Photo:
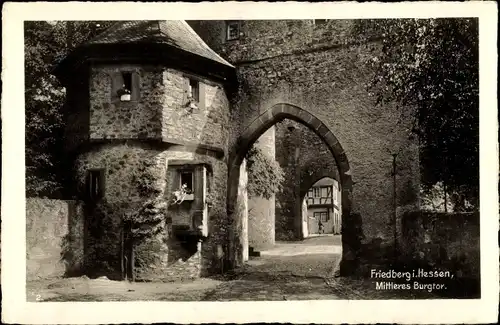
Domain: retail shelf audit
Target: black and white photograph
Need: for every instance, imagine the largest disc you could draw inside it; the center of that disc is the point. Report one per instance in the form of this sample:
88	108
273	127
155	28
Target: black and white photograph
245	160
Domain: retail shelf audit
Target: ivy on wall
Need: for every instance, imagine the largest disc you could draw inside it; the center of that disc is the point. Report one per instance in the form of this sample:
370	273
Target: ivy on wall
146	221
142	225
265	176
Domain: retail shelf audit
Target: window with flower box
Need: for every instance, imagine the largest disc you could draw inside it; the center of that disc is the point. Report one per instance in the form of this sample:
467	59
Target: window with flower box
126	86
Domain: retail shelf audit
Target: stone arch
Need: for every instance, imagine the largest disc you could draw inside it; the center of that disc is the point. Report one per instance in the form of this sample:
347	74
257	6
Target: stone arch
266	120
272	116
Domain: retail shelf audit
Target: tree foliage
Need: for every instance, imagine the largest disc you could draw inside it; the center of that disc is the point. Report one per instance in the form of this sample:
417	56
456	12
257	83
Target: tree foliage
431	66
45	44
265	176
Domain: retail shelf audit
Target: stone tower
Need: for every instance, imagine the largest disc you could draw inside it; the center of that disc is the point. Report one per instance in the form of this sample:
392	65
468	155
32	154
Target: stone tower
261	211
148	113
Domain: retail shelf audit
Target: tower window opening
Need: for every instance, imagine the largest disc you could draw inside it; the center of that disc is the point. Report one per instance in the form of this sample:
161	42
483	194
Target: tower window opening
126	91
319	21
95	184
194	90
232	30
186	180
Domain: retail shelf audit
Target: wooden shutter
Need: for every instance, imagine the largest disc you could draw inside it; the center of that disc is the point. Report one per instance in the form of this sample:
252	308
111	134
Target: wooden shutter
186	91
136	86
174	179
198	187
117	83
95	184
88	185
201	89
102	183
199	221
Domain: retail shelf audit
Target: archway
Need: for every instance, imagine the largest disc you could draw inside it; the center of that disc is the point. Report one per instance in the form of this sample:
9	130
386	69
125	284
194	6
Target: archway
250	135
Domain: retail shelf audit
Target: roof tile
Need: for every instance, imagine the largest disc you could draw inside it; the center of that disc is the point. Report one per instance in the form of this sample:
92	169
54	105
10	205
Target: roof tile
176	33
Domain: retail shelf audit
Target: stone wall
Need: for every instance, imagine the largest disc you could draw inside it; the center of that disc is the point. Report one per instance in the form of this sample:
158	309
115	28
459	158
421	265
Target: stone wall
239	237
305	158
274	38
54	238
218	226
124	172
127	139
324	70
207	124
261	211
111	118
160	111
443	241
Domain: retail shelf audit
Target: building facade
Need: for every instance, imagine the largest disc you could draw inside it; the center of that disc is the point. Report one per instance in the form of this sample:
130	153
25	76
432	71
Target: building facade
323	208
166	110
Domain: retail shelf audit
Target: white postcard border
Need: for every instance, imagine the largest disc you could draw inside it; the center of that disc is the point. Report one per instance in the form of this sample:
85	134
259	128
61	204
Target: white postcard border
15	307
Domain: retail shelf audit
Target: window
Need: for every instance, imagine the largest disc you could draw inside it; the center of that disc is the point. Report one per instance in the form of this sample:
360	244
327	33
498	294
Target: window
187	180
126	91
310	193
319	21
321	216
125	86
317	192
194	89
95	184
232	30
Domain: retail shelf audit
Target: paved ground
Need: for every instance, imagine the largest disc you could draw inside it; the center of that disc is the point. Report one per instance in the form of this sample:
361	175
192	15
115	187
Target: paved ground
289	271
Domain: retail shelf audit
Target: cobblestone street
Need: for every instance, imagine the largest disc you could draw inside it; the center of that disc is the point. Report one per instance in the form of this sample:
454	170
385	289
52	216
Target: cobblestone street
302	270
288	271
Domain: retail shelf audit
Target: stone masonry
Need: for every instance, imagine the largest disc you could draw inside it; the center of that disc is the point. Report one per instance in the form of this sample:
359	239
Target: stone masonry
305	159
300	70
322	69
261	211
139	145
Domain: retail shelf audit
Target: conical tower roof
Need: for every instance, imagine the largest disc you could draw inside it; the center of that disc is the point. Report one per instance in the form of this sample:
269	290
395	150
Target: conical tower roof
170	42
176	33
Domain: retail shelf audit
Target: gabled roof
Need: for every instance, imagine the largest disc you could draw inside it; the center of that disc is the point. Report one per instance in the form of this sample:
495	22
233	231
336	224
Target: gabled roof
175	33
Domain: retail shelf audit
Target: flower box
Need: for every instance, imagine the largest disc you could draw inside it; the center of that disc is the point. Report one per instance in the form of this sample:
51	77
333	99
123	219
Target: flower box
189	197
125	97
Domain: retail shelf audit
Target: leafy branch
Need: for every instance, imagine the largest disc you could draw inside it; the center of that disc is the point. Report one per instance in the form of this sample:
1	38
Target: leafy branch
265	176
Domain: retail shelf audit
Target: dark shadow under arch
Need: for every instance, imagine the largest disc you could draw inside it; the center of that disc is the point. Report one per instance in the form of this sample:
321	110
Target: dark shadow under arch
266	120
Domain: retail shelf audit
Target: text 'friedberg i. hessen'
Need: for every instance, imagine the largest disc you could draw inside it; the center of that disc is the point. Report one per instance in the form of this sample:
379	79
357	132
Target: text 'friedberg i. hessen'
390	280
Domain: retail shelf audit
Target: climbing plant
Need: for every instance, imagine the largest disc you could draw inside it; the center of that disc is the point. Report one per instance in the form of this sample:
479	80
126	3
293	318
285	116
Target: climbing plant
265	176
147	221
144	224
